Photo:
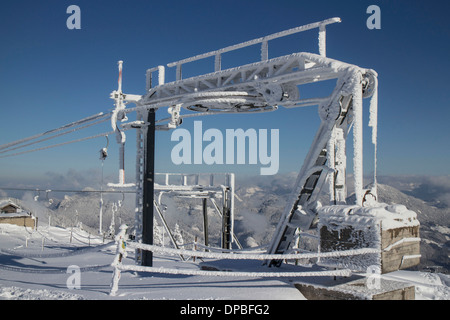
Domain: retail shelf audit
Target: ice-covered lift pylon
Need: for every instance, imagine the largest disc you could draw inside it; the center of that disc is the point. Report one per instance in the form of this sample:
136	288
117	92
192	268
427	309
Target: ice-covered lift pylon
263	86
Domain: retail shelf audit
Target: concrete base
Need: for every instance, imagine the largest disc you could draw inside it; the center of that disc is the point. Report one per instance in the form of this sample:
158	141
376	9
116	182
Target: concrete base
400	247
356	289
392	229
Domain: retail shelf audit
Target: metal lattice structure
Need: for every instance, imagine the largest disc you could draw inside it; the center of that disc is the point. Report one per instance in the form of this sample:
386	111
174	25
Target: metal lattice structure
190	186
263	86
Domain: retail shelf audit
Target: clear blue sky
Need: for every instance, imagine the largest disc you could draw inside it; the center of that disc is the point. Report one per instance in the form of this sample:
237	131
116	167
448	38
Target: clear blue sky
50	75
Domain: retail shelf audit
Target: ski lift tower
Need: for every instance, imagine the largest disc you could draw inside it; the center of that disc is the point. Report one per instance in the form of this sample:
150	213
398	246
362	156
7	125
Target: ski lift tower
261	86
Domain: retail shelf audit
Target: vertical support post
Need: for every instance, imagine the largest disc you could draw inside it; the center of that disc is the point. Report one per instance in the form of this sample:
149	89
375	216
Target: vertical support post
148	78
331	160
205	222
119	81
226	220
264	51
358	140
140	170
100	222
122	163
230	183
341	162
178	72
161	75
148	192
166	227
218	62
322	41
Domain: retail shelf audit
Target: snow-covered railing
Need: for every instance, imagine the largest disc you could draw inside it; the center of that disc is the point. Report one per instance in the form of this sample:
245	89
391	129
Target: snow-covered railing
217	54
123	246
251	256
200	184
193	185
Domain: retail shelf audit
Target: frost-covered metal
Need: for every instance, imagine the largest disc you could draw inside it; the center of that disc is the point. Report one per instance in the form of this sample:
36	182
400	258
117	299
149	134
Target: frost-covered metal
263	86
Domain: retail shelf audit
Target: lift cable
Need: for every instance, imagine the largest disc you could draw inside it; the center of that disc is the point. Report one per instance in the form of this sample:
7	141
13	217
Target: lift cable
64	127
63	143
67	190
55	136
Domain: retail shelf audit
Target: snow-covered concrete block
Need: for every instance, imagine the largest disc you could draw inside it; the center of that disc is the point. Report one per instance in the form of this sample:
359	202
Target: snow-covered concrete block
24	220
356	289
393	229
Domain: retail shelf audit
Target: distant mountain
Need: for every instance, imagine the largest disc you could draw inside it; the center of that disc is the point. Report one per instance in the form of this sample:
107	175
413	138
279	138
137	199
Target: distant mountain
259	204
83	209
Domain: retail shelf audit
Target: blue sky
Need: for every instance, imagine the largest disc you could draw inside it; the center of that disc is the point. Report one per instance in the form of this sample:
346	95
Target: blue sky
50	75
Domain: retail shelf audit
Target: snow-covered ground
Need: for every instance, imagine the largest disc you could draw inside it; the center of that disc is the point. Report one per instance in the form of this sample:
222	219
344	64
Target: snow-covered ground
38	265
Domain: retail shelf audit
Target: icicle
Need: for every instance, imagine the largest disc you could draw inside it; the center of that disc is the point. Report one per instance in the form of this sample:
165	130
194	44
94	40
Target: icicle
358	137
373	122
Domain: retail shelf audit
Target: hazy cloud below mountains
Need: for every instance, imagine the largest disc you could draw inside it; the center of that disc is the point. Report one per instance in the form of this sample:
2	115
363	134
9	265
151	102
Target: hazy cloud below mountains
433	189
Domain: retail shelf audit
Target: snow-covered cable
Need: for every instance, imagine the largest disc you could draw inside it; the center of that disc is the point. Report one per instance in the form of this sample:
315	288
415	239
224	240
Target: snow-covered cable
341	273
55	136
67	190
260	249
64	127
213	255
61	144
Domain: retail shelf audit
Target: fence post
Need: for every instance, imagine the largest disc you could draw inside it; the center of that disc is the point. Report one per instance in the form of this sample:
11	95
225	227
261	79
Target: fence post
121	253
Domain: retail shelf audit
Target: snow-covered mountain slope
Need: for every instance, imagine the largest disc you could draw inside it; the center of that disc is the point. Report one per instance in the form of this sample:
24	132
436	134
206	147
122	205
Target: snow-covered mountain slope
33	265
31	269
258	206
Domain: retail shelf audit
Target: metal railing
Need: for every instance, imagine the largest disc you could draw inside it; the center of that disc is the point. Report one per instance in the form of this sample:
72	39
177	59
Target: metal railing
321	25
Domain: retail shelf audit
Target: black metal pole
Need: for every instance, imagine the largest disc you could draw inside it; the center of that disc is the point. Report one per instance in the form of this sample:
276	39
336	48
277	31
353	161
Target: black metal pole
226	221
148	190
205	222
